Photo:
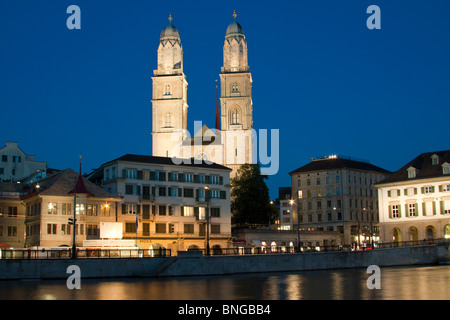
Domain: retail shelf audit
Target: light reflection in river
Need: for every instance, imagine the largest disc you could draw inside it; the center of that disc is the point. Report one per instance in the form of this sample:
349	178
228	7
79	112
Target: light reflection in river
426	282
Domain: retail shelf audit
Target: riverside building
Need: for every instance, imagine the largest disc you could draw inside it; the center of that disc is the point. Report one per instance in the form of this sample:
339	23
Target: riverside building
336	195
165	205
49	203
415	201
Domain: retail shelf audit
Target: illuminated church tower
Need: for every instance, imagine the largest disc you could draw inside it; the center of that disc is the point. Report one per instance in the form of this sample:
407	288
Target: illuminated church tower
236	99
231	143
169	103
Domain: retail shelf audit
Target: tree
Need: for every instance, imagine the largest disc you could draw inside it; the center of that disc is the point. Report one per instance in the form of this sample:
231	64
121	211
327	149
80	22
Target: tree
250	202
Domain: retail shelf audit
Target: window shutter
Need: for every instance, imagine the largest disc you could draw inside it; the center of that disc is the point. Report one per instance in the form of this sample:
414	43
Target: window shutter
223	194
399	211
180	192
389	193
424	208
434	208
440	188
442	207
195	178
169	176
138	209
432	189
220	180
423	190
182	211
390	212
416	210
406	210
124	208
399	192
415	190
180	177
139	174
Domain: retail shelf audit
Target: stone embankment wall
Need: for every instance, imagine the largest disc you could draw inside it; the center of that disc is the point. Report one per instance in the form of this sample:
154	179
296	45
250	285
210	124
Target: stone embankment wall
194	264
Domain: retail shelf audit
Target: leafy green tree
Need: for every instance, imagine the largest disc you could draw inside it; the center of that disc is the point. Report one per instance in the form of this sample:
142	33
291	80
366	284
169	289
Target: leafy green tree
250	202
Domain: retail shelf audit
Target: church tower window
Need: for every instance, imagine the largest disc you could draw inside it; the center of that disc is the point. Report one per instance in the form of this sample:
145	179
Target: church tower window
167	120
235	116
167	91
235	87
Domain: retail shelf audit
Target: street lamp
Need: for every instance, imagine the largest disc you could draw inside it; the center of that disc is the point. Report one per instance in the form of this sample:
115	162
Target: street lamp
208	199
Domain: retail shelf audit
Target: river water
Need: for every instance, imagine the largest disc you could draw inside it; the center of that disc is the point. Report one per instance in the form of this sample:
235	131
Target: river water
404	283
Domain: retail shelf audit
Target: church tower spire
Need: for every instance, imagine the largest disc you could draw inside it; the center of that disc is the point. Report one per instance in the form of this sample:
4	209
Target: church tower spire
169	97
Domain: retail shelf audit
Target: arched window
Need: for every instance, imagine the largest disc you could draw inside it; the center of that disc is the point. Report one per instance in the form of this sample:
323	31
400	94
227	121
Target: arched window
235	87
167	91
167	120
235	116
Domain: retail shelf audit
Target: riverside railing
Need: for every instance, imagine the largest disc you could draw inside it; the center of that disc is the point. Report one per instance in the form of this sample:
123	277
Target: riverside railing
30	254
66	253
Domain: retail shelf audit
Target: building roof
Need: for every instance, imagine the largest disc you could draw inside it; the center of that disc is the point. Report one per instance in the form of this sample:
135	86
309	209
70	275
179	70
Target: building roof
63	184
424	167
339	163
192	163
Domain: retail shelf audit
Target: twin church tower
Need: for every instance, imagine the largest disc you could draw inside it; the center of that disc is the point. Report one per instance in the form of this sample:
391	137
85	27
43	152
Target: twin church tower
231	142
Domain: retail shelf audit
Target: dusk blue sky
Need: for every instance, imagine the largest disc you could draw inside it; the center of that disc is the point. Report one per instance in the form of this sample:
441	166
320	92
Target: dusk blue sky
320	76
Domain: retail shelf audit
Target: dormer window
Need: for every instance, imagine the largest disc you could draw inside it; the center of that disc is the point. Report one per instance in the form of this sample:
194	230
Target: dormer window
446	168
412	172
434	159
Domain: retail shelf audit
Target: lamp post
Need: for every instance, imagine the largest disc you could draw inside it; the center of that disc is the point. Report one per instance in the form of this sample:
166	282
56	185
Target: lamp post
208	198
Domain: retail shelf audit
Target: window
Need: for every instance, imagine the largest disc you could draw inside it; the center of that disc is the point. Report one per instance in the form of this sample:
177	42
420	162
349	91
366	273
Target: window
215	228
214	194
411	209
162	210
80	208
188	211
51	208
167	120
188	192
446	168
173	192
395	211
130	174
188	228
235	116
129	208
65	229
215	212
4	158
188	178
12	231
92	210
429	189
411	172
445	187
12	211
338	179
160	228
235	87
51	228
167	90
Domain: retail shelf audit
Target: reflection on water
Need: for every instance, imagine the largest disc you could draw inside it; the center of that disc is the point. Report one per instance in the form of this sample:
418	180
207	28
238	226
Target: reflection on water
430	282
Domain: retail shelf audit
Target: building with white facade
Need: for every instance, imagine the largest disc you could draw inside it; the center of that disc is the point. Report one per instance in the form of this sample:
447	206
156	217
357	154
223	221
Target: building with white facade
16	164
414	202
165	205
337	194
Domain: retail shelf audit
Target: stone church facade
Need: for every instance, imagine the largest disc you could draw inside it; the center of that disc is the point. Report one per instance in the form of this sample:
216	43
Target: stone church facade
231	142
